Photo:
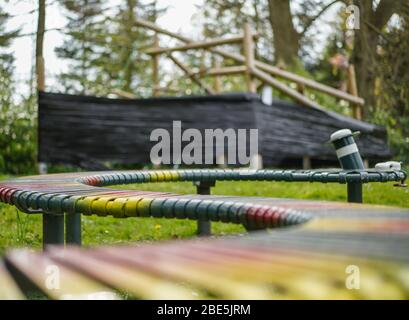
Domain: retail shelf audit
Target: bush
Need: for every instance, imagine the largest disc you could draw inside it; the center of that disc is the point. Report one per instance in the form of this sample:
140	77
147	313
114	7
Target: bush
18	145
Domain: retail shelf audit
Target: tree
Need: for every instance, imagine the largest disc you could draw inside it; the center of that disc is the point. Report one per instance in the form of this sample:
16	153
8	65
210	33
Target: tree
84	38
105	47
227	17
374	19
17	120
6	87
286	38
276	20
392	86
39	46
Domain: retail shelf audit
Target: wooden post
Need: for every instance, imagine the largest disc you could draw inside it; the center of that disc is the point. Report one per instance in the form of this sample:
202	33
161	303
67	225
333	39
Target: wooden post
248	49
155	66
353	89
306	162
40	73
217	79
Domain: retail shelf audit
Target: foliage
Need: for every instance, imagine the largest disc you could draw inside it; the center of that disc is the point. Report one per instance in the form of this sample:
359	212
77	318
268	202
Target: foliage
392	91
105	47
17	120
18	145
220	18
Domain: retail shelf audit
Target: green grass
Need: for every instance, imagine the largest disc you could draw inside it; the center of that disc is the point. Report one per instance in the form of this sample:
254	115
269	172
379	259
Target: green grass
18	229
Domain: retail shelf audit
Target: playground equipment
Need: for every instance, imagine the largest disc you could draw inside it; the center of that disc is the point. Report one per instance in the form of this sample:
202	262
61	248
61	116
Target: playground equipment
289	134
311	256
78	193
317	247
362	255
252	69
74	194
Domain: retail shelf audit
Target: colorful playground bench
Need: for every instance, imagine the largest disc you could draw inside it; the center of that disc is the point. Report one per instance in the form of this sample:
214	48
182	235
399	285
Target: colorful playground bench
343	251
316	246
73	194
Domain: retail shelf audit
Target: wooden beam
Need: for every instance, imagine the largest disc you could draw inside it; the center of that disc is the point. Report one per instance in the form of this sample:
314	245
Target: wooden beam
265	77
248	49
223	71
155	66
197	45
155	27
191	74
293	77
168	89
308	83
124	94
262	66
217	80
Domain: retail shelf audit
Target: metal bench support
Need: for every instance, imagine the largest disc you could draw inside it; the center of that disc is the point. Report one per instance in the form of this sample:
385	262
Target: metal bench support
354	190
73	228
53	229
204	227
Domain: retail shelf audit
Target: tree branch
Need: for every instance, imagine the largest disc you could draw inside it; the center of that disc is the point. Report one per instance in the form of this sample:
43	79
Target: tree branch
314	18
384	11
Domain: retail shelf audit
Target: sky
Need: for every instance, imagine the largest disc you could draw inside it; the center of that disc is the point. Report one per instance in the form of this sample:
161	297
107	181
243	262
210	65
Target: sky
178	18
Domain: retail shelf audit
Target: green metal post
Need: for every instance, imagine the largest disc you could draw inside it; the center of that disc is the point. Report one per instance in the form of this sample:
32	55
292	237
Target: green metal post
203	188
354	190
53	229
73	228
350	159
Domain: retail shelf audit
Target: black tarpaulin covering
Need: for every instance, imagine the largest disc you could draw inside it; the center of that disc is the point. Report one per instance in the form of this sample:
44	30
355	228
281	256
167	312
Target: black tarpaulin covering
86	131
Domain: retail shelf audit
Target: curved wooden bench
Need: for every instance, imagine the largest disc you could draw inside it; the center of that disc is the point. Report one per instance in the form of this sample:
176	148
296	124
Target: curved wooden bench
88	194
350	252
311	261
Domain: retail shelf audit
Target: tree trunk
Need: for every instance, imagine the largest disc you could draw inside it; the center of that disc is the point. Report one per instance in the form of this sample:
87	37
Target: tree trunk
286	38
129	25
39	46
366	39
364	54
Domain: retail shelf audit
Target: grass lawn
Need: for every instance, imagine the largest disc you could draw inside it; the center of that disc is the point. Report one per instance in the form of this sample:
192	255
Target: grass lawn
19	229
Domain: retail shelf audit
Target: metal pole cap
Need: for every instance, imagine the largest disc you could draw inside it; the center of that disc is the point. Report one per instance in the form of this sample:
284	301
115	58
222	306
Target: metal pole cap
343	133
